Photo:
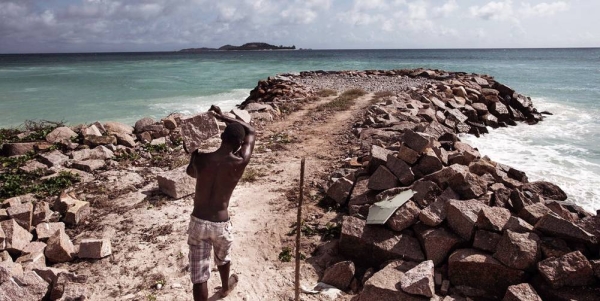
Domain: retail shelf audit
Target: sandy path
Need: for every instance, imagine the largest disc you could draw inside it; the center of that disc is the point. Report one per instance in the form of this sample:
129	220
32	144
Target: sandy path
149	243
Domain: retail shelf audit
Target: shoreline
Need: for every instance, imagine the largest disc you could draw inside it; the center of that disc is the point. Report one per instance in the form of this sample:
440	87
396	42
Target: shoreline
405	123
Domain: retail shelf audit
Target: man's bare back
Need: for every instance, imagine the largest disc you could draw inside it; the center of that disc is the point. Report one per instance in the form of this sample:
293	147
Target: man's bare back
216	174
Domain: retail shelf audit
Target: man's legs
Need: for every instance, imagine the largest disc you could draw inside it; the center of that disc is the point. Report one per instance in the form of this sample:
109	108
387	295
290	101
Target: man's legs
201	291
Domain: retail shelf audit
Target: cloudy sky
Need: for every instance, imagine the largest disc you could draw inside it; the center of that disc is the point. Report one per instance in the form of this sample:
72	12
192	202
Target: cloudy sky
163	25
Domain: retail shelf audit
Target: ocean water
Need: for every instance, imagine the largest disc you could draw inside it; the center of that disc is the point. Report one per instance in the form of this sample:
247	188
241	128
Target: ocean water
80	88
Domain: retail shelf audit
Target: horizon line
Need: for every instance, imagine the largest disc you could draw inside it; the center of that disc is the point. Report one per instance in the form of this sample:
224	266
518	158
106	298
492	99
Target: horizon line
297	49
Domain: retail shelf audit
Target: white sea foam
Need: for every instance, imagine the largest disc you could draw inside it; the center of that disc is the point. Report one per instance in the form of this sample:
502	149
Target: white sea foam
193	105
560	150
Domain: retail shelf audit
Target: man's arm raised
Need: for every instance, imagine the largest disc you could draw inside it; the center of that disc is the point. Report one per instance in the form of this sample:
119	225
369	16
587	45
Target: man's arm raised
248	143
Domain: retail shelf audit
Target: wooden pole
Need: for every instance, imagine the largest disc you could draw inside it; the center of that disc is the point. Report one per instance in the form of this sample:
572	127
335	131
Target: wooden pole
299	229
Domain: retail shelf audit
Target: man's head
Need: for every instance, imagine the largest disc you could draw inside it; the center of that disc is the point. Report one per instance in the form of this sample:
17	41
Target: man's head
234	135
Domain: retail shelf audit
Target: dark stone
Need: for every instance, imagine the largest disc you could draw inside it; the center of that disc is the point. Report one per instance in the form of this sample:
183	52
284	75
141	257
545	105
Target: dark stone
486	240
472	268
462	216
518	250
425	192
552	224
571	269
383	179
400	169
437	242
547	190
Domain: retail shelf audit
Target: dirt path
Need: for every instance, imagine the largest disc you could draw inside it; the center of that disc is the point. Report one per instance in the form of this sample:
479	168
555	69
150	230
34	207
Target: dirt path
149	243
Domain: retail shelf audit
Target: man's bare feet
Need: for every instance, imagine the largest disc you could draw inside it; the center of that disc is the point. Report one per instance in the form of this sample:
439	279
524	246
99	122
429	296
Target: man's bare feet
233	281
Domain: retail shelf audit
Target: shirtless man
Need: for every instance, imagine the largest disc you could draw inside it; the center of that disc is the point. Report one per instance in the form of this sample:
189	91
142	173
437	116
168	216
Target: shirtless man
216	174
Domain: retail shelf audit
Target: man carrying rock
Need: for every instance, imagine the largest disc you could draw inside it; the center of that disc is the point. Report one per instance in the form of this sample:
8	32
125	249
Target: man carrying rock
216	174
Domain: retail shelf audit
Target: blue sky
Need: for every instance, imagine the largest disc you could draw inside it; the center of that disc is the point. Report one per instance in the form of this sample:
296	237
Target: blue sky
163	25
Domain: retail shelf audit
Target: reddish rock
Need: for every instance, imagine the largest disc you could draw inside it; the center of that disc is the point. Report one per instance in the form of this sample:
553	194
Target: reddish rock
94	248
590	224
142	123
492	218
49	274
375	244
425	192
462	216
22	214
93	141
33	260
565	293
176	183
53	158
379	156
198	128
339	275
45	230
419	280
400	169
339	190
554	247
596	267
17	149
383	179
521	292
562	211
88	165
519	251
60	134
408	155
427	164
69	286
34	167
41	213
59	248
406	216
385	285
533	213
17	238
472	268
437	242
441	177
547	190
554	225
486	240
434	214
516	224
467	185
118	127
416	141
571	269
74	210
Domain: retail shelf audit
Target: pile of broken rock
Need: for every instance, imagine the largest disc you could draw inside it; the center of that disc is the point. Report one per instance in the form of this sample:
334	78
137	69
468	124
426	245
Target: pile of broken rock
31	236
474	228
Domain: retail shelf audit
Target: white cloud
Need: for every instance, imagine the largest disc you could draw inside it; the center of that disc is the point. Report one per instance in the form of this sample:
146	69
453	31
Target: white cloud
544	9
504	10
445	10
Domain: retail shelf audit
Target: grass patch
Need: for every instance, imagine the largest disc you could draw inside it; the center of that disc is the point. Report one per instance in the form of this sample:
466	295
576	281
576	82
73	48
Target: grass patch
16	183
326	92
251	175
342	102
381	95
286	254
157	148
328	232
37	130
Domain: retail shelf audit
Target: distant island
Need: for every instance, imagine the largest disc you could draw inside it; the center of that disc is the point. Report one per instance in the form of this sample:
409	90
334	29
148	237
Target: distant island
247	46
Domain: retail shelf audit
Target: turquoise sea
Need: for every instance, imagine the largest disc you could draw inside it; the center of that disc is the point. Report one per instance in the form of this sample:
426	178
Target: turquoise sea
80	88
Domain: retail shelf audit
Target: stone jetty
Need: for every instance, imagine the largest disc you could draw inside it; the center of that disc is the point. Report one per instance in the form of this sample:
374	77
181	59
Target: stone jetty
475	228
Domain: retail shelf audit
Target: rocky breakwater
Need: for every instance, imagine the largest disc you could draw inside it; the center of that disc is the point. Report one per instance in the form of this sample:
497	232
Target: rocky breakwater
54	179
474	228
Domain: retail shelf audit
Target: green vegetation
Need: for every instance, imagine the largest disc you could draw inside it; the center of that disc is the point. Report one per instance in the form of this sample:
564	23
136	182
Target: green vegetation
326	93
36	131
342	102
251	175
330	231
158	148
17	183
285	255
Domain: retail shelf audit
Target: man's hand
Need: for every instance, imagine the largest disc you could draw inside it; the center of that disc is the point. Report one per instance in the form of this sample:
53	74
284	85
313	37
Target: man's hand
216	110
